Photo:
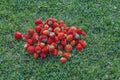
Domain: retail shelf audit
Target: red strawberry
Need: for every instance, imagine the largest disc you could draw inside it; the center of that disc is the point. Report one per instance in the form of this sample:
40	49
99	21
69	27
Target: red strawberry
51	47
38	21
60	46
67	55
54	25
63	60
78	31
35	38
83	43
18	35
41	44
31	49
50	21
63	42
55	52
43	55
49	41
26	46
45	49
38	28
31	31
79	47
43	38
83	33
37	49
25	37
52	35
61	35
35	55
29	41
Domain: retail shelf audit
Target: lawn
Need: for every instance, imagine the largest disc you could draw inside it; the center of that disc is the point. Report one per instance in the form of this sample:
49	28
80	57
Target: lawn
100	60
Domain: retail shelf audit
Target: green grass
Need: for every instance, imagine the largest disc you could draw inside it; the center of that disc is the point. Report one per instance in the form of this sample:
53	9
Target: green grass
99	61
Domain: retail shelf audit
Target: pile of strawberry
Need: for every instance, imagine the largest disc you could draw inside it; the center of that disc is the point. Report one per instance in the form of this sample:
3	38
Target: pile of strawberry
52	37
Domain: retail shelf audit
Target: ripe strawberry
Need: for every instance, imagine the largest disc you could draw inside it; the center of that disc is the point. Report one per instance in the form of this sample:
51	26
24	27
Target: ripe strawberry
43	38
49	41
31	31
68	48
51	47
41	44
64	42
38	28
50	21
35	55
31	49
29	41
61	35
26	46
57	30
73	28
83	43
46	26
78	31
67	55
61	22
17	35
79	47
25	36
60	47
52	35
69	37
83	33
54	25
46	32
43	55
38	21
72	43
35	38
63	60
37	49
55	52
60	53
45	49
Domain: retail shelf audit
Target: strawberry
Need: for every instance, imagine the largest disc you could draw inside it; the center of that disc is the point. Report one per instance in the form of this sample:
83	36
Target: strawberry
55	52
45	49
51	47
43	55
60	53
54	25
79	47
38	28
60	46
83	43
43	38
37	49
57	30
61	35
78	31
31	31
49	41
41	44
69	37
46	32
50	21
26	46
25	36
52	35
83	33
35	38
63	42
35	55
72	43
67	55
63	60
73	28
17	35
38	21
68	47
31	49
29	41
